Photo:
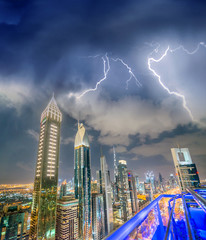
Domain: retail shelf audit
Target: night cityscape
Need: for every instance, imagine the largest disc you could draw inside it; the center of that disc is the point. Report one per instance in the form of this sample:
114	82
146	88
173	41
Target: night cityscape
102	120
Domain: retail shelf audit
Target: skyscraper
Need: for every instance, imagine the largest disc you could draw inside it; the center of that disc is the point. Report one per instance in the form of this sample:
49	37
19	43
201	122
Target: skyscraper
14	222
43	212
185	169
67	218
104	182
133	192
82	182
63	189
115	166
98	222
124	195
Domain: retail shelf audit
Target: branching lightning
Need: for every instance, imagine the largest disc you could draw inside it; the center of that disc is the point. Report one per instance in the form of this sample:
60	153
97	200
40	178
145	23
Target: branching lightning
150	60
189	52
106	64
156	46
130	73
106	69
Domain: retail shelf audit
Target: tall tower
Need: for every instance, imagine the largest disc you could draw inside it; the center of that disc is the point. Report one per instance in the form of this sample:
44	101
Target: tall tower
43	211
82	181
185	169
124	193
106	190
115	166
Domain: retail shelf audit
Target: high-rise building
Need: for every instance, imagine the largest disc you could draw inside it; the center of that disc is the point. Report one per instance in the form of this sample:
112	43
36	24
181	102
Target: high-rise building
105	188
137	182
63	189
185	169
43	212
98	227
150	178
67	219
124	195
15	223
148	191
82	182
172	181
115	166
133	192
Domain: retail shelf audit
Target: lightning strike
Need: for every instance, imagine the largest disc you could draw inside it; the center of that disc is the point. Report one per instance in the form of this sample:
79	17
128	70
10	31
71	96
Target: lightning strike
106	64
130	72
184	103
187	51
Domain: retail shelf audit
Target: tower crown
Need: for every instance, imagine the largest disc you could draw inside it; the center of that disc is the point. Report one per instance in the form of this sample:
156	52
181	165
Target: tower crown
52	111
81	137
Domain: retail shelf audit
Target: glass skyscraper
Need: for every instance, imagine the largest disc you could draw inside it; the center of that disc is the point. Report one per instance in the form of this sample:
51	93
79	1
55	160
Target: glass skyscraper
185	169
82	182
43	212
104	183
124	194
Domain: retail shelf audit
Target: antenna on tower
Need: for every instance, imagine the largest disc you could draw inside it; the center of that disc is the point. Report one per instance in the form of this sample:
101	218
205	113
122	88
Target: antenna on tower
78	119
101	151
115	165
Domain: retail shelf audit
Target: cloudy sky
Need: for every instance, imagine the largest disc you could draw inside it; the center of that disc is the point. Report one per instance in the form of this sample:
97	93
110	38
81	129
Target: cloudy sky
146	60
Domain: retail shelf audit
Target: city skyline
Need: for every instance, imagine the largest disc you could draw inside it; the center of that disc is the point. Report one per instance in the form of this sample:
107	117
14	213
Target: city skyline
58	51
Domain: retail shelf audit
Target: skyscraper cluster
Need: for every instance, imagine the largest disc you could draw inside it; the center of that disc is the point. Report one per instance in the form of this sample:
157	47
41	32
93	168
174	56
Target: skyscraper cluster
97	207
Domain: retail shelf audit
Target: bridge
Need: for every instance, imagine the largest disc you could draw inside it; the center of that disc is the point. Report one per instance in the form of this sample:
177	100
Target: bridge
168	217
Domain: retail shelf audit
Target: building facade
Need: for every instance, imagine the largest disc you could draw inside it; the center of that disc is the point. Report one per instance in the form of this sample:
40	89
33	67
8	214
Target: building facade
67	219
133	192
185	169
63	189
124	195
14	223
82	182
43	211
98	223
105	187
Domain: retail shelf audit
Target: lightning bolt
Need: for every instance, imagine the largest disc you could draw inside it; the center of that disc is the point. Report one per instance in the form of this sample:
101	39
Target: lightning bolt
130	72
106	69
151	60
187	51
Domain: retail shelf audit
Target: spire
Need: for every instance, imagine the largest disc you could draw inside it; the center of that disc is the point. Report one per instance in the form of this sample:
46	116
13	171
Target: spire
115	165
101	151
52	111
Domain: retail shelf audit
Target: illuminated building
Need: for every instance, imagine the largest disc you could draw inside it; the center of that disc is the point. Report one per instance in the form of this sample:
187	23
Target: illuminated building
148	191
185	169
106	189
150	178
137	182
124	195
67	219
82	182
172	181
133	192
14	223
43	212
98	227
141	188
115	166
94	186
63	189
